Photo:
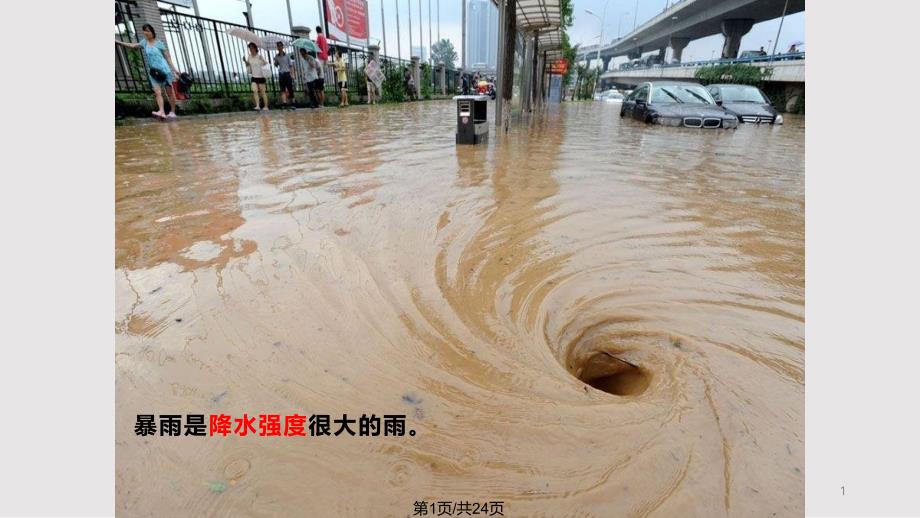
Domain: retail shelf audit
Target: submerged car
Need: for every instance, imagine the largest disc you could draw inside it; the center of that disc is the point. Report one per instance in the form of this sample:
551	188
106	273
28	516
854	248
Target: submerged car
747	102
674	103
601	96
613	97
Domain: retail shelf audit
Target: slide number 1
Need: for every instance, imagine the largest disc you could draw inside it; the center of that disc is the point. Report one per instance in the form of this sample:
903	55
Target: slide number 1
843	491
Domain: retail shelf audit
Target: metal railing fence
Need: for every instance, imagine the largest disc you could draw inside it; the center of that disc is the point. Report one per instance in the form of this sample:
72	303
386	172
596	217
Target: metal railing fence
202	47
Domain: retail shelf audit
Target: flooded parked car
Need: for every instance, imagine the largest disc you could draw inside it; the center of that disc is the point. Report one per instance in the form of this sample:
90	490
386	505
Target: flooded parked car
749	103
675	103
613	96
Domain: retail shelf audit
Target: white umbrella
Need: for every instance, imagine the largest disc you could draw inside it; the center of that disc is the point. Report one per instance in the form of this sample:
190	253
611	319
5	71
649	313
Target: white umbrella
245	35
270	40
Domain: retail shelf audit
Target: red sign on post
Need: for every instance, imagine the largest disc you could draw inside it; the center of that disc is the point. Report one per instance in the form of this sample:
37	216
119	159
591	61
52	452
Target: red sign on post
357	19
559	67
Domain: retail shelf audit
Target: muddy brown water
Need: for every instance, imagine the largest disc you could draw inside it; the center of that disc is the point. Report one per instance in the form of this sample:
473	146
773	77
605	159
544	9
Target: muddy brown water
586	317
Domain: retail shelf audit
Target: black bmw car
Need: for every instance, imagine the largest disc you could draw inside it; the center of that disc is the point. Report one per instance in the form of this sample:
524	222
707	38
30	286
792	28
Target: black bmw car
675	103
747	102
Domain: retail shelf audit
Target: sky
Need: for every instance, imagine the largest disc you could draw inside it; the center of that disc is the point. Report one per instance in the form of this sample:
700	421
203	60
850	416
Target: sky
272	15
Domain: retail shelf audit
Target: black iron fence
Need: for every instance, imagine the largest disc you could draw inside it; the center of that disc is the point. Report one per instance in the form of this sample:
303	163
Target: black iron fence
202	47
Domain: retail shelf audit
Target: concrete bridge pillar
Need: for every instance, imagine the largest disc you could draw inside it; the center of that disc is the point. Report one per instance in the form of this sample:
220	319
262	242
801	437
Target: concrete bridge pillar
527	71
301	31
661	53
733	29
442	78
417	75
635	53
539	75
606	61
677	47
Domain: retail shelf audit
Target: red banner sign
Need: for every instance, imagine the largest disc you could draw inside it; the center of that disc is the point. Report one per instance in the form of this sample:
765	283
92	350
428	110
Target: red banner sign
356	15
559	67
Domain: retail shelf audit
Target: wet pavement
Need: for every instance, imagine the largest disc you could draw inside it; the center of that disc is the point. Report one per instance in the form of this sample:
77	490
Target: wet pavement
587	317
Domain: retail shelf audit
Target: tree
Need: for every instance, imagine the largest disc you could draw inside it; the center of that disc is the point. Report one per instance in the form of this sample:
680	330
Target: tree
567	12
443	52
568	53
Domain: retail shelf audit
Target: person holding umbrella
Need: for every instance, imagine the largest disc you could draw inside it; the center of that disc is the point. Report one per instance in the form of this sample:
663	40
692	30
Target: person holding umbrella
311	76
311	69
255	63
161	69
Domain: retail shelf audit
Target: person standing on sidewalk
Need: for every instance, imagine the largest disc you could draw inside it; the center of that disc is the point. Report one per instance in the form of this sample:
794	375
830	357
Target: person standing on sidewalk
284	63
310	76
341	72
321	59
160	69
255	63
409	84
371	87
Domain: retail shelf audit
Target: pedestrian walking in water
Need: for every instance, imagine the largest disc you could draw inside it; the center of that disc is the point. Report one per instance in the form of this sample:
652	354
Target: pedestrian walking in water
284	62
161	70
321	59
310	77
341	72
464	84
256	63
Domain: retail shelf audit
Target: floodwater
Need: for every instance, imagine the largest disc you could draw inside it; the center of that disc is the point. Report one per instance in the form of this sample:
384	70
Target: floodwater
587	317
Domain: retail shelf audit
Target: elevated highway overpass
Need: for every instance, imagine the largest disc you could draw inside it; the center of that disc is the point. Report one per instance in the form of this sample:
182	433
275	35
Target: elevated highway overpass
689	20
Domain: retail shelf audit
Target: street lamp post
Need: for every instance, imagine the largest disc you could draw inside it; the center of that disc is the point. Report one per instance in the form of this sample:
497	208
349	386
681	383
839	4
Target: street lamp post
398	34
600	41
636	17
780	29
290	18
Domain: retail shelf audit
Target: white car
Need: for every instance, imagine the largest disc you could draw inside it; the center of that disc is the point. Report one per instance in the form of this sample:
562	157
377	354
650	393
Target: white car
614	97
601	96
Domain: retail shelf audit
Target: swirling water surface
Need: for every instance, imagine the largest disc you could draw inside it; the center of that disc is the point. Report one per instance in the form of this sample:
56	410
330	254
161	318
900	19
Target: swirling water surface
586	317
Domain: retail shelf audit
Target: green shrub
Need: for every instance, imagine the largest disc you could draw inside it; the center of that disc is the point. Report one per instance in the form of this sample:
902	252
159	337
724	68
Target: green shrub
394	90
735	74
426	81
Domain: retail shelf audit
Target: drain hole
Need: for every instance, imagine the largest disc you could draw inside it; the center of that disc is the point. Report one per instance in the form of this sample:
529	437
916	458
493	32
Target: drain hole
613	375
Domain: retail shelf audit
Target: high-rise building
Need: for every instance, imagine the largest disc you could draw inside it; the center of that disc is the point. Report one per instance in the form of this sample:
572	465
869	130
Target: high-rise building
481	35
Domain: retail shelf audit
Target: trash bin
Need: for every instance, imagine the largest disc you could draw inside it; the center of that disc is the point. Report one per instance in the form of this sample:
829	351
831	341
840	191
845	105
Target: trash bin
472	118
